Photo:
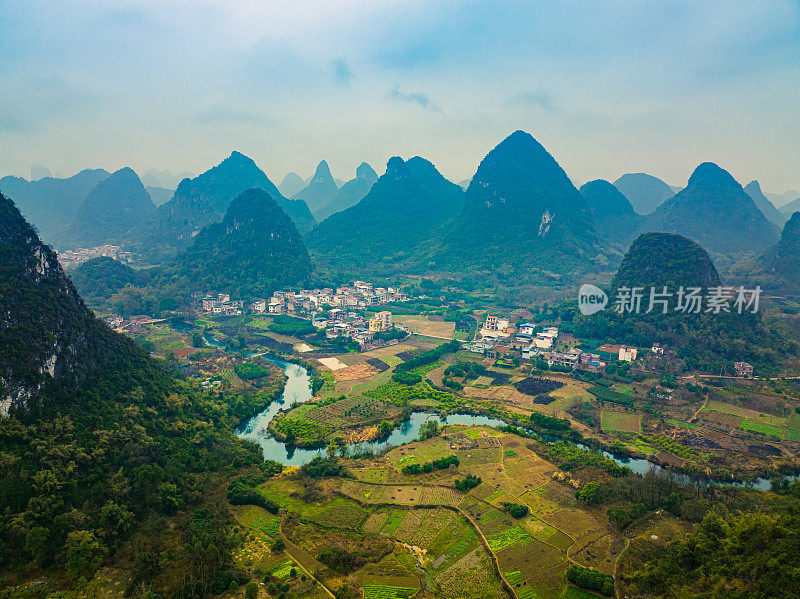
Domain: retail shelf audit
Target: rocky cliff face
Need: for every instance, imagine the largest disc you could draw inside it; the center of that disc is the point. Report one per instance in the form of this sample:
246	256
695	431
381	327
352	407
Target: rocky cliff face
46	332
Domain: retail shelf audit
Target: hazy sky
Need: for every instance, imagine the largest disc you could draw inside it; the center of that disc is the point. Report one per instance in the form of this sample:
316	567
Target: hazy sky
606	87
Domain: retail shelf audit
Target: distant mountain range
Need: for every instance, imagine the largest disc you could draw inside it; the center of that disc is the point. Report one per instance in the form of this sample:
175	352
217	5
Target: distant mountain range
291	184
51	204
351	193
320	190
203	200
790	208
773	215
714	211
645	192
111	213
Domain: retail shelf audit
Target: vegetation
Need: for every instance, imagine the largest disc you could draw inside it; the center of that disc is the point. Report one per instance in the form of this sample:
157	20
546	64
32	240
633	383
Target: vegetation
248	371
471	481
516	510
589	578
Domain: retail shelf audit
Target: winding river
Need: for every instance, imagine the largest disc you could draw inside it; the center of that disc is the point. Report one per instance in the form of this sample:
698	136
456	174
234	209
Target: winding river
298	389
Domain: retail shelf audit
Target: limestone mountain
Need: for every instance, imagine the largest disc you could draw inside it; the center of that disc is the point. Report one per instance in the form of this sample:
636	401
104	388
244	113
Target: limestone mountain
291	184
405	208
714	210
613	214
666	259
782	261
203	200
351	193
790	208
49	204
320	190
768	209
255	250
522	212
117	206
46	332
645	192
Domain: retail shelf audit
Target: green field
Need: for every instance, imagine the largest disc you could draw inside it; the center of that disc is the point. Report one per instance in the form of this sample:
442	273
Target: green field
620	422
758	426
382	591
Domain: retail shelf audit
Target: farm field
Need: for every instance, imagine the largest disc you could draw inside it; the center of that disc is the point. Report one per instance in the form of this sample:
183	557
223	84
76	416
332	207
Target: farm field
422	325
620	422
418	529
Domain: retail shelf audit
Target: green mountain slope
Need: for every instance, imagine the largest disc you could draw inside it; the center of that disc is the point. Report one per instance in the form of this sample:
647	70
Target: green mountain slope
404	209
645	192
768	209
97	439
664	259
781	262
521	212
715	211
255	250
50	204
614	217
319	191
100	278
114	209
203	200
351	193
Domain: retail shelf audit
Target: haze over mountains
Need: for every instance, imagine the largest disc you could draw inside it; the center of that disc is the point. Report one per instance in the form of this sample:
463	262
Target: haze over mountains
203	200
768	209
255	250
117	207
645	192
50	204
520	213
350	193
320	189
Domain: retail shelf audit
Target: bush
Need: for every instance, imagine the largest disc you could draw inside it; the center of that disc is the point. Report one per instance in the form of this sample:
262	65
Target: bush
320	467
516	510
549	422
593	580
470	482
242	492
248	371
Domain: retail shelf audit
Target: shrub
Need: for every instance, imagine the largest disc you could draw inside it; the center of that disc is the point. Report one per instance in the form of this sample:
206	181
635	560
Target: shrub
593	580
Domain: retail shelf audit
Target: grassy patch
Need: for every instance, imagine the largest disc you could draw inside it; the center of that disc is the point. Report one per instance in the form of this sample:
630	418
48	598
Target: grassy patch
620	422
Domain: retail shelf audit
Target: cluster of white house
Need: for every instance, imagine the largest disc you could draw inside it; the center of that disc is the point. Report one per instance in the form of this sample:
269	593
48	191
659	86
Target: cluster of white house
306	303
497	336
219	304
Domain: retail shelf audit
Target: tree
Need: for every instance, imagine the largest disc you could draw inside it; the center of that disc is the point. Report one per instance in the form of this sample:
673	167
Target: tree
85	553
251	590
278	545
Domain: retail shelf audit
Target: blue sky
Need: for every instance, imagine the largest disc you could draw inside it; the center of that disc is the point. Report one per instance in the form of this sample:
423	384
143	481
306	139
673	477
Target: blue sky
607	87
